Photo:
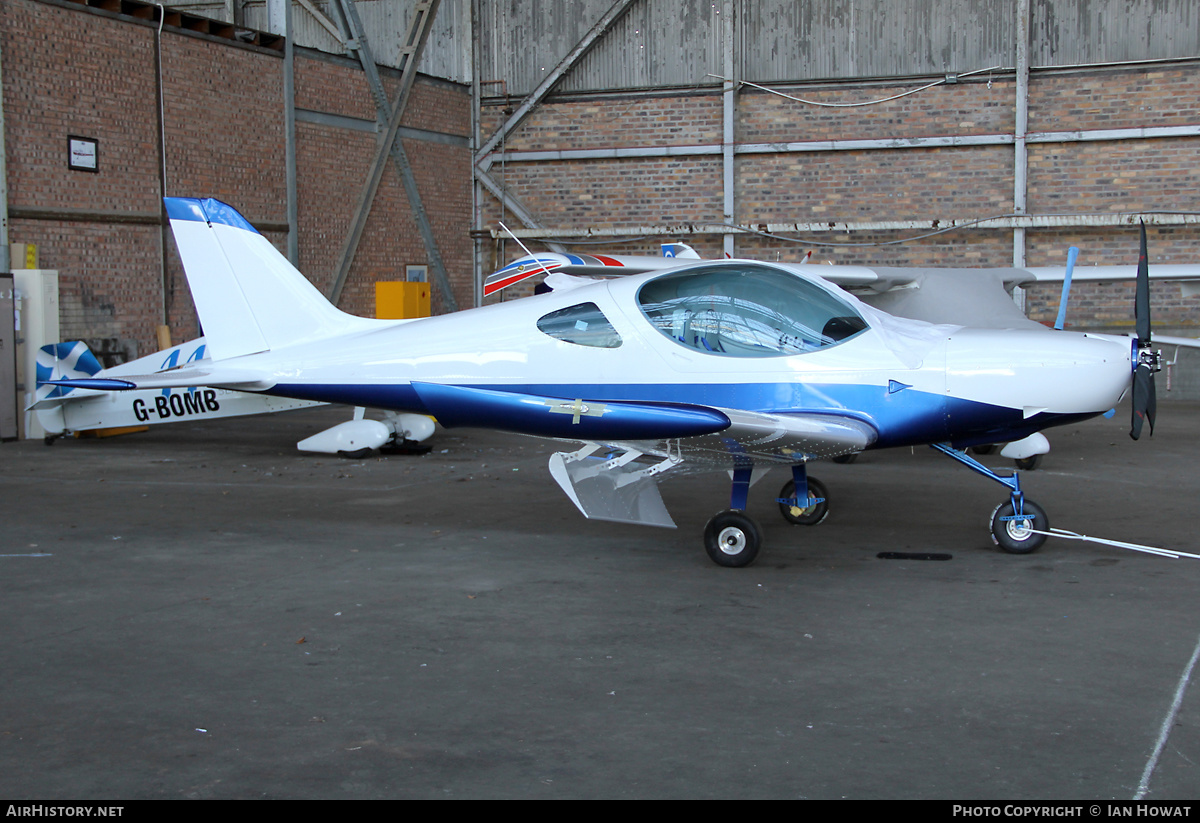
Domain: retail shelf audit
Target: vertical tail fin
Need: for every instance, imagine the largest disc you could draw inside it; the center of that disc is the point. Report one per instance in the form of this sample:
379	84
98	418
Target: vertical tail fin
248	297
680	250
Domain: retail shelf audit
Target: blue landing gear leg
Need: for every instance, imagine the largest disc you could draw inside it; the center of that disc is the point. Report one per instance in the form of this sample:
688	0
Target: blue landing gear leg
1015	524
732	538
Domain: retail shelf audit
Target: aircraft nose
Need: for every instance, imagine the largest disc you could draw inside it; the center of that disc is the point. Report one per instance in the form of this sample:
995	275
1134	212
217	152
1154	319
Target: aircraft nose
1057	372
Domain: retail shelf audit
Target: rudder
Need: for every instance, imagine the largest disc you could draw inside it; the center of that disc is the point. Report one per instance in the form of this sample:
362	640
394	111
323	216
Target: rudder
248	297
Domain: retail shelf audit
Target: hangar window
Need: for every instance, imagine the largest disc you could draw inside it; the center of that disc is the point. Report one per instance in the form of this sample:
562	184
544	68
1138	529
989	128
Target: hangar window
584	325
747	310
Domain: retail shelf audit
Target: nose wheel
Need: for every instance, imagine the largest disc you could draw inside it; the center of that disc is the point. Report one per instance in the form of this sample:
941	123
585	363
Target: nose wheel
1016	523
1018	533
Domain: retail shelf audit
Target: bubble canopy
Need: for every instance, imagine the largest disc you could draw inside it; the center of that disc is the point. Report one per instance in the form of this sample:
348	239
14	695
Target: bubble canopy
747	310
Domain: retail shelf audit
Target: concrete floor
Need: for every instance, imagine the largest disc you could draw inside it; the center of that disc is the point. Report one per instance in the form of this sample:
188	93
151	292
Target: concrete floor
200	611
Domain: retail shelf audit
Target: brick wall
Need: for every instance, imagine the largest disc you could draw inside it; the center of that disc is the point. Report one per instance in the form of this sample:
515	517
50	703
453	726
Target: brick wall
95	81
71	69
919	184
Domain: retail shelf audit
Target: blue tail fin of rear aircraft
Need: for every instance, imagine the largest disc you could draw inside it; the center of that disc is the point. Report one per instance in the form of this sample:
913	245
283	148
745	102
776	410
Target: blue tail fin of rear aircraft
59	361
248	297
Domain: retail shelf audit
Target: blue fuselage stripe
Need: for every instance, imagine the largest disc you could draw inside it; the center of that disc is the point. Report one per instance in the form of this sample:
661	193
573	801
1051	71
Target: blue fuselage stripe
902	418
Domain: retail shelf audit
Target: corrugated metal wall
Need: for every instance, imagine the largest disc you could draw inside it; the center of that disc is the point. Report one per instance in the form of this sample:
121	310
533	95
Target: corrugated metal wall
1073	32
672	44
653	45
781	40
677	43
447	53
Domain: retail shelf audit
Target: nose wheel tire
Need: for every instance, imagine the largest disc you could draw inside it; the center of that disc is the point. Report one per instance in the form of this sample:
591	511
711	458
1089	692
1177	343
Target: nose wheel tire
732	539
811	514
1015	535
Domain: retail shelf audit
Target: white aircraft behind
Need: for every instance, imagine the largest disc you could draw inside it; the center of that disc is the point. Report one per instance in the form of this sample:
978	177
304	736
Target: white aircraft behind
727	364
62	410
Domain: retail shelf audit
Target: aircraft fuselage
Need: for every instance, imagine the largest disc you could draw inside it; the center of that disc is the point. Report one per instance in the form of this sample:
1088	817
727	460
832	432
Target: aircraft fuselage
912	382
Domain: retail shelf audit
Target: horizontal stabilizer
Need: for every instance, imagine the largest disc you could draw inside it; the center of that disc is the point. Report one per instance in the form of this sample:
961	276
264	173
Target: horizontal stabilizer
92	383
240	379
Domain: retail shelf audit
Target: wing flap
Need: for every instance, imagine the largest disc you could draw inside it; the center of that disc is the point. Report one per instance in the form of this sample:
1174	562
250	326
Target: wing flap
612	490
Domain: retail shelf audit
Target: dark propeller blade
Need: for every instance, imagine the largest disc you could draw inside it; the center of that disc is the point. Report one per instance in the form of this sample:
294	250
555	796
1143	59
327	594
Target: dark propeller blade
1144	400
1141	300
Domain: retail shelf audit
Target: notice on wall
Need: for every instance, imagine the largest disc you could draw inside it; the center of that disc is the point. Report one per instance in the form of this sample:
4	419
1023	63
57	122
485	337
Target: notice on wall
83	154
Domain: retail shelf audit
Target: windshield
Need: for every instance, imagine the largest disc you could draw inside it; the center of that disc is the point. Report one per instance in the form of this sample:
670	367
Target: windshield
747	310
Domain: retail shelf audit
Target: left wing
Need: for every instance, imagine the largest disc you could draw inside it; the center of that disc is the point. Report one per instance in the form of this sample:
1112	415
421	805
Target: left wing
627	443
570	418
707	433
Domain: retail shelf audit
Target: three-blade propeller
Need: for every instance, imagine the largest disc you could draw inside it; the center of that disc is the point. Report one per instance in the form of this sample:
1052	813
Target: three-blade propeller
1144	402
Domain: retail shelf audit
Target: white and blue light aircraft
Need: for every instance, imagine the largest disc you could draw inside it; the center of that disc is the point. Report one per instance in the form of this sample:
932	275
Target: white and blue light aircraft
729	364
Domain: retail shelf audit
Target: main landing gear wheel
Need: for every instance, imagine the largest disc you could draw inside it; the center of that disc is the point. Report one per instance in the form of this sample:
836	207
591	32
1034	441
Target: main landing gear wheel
1015	535
732	539
809	515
